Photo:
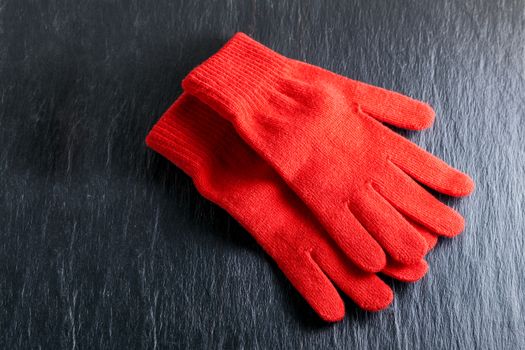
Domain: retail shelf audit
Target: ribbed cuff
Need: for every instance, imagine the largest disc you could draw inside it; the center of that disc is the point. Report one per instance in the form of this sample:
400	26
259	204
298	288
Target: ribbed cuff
239	76
191	135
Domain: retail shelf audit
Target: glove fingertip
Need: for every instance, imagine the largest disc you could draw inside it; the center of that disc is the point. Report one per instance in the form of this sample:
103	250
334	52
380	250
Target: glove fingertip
335	314
407	273
456	225
380	301
424	117
465	186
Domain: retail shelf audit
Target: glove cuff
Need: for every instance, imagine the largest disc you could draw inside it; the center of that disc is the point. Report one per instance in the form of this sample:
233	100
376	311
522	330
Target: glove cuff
238	76
187	132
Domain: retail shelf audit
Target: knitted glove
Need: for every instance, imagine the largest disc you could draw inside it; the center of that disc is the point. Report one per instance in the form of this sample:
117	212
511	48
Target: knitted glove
322	134
230	174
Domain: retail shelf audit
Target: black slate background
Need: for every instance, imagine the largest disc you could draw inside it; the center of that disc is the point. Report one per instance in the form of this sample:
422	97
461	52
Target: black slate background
104	244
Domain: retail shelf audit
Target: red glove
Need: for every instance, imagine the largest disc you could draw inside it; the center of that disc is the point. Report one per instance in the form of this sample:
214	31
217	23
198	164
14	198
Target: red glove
230	174
320	132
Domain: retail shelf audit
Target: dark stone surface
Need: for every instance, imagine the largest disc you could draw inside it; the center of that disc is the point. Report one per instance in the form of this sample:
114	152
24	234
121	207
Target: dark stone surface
104	244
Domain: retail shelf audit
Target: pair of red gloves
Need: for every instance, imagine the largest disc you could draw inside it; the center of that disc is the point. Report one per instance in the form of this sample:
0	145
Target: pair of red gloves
299	156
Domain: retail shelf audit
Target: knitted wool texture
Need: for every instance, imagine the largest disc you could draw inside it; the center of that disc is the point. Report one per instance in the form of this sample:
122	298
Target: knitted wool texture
227	172
323	135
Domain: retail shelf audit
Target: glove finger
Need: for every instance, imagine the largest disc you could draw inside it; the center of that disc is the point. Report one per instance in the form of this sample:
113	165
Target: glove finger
419	205
430	170
367	290
391	107
388	227
429	237
414	272
406	273
356	242
311	282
